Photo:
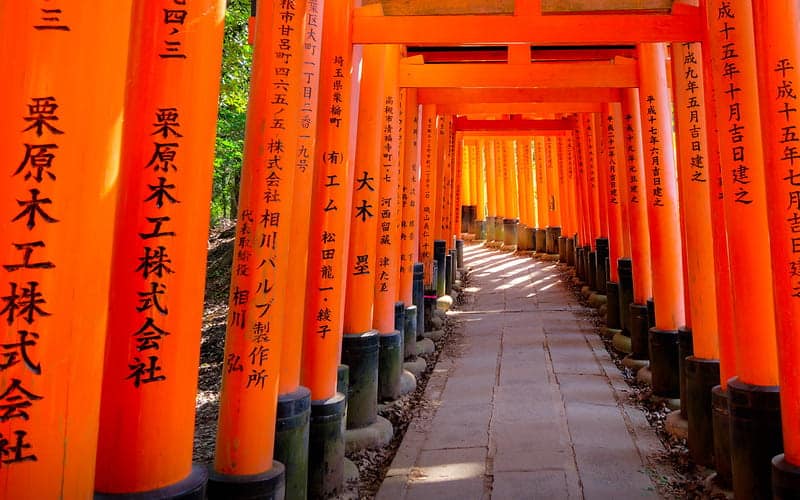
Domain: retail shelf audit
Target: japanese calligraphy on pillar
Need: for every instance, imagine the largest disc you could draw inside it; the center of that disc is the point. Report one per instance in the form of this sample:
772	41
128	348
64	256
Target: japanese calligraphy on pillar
24	305
590	153
310	80
408	198
729	91
631	159
691	80
613	193
428	200
787	138
654	151
388	202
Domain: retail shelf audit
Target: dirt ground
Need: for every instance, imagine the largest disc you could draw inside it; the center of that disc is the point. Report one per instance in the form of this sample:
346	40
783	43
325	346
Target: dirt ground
676	475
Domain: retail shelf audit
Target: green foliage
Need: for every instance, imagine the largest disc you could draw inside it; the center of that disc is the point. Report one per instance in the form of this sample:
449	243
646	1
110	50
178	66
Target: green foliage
237	56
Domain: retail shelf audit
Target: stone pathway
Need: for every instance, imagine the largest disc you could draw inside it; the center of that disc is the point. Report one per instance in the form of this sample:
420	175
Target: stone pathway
525	402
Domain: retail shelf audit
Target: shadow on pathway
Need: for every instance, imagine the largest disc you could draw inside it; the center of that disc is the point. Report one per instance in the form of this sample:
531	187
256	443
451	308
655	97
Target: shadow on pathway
525	402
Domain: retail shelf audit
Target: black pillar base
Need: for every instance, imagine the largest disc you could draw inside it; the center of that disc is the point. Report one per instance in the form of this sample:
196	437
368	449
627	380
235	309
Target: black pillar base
580	261
664	363
625	270
541	240
721	422
499	230
479	229
552	235
510	236
326	447
448	274
467	217
651	313
685	349
291	440
360	353
459	254
601	263
267	486
489	227
418	296
570	252
194	487
756	437
410	333
612	305
785	479
562	249
342	378
390	366
640	348
701	377
592	267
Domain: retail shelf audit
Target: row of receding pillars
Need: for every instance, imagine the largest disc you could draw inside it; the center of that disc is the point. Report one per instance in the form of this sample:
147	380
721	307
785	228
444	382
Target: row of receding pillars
107	133
691	233
344	187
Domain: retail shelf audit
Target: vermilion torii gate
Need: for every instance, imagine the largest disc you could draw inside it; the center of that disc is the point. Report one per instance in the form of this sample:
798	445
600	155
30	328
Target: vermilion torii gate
380	135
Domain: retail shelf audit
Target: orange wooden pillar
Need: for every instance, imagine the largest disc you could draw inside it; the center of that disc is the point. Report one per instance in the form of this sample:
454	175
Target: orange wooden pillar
581	206
563	166
261	270
602	242
467	208
501	178
331	215
700	372
540	190
409	228
481	196
460	167
525	239
387	213
492	181
755	388
592	177
58	108
511	190
611	118
360	345
778	59
572	200
294	400
663	220
428	192
443	181
639	265
553	195
155	310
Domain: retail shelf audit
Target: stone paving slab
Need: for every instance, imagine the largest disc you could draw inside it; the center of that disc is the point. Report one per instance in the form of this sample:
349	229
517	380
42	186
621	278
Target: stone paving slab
525	402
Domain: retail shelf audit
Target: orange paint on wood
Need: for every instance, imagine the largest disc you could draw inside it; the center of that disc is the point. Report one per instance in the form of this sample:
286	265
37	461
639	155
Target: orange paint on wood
637	198
553	179
60	133
330	215
481	179
616	170
256	317
362	267
662	189
778	57
297	288
695	192
409	228
428	189
742	164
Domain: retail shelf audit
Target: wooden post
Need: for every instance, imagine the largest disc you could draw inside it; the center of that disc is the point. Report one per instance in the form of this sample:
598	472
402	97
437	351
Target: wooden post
159	257
701	370
614	155
640	234
778	59
492	202
663	219
331	214
428	190
409	230
388	238
481	176
256	318
732	50
60	133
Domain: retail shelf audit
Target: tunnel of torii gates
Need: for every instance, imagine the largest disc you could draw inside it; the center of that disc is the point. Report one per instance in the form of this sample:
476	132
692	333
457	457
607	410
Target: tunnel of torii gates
650	144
